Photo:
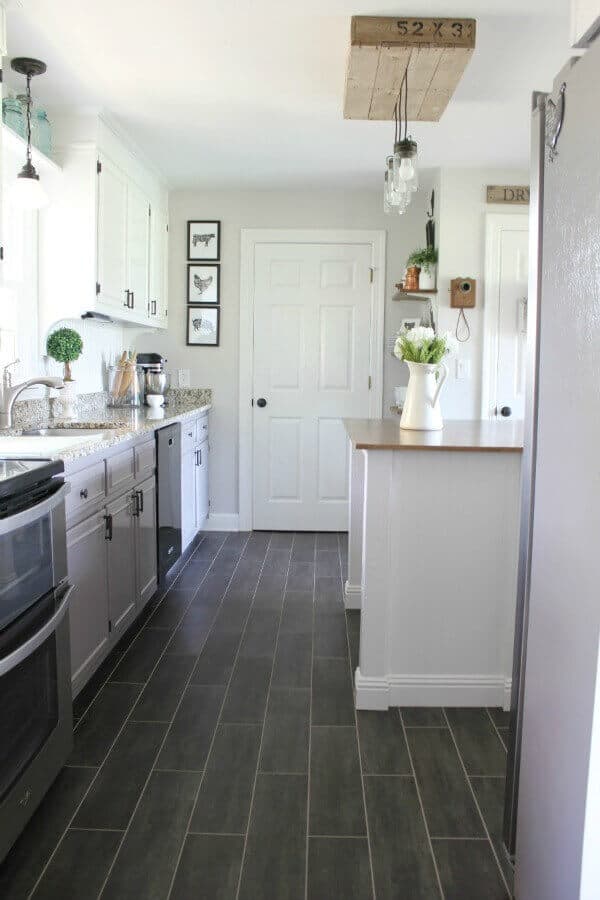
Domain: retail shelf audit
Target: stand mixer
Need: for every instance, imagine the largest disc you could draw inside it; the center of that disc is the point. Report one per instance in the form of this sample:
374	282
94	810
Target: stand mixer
156	379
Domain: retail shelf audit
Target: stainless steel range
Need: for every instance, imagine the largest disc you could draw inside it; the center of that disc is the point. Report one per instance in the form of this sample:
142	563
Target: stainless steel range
35	690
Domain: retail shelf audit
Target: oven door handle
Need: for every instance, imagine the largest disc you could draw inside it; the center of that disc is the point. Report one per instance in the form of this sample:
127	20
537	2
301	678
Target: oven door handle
30	646
27	516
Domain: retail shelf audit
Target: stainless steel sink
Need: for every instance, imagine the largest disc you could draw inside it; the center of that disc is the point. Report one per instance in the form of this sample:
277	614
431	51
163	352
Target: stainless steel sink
64	432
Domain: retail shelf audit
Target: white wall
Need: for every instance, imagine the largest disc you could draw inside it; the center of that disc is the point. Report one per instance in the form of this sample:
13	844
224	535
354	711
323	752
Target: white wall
461	242
217	368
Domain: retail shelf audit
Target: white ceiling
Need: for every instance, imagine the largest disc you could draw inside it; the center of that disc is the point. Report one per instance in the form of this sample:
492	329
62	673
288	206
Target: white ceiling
245	95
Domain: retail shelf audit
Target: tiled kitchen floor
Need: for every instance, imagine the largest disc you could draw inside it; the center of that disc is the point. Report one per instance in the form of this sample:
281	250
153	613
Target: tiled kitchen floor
218	756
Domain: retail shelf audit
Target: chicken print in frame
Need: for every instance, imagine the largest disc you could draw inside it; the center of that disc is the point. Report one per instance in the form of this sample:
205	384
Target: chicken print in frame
203	326
204	283
204	240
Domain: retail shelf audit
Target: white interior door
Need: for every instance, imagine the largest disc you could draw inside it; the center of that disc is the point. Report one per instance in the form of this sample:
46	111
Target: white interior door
312	325
506	315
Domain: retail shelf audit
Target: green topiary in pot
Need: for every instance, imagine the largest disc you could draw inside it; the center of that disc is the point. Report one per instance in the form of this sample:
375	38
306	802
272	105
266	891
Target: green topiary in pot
424	258
65	346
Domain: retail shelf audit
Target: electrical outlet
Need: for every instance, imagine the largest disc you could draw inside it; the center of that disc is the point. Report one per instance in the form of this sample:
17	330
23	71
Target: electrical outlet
463	369
183	378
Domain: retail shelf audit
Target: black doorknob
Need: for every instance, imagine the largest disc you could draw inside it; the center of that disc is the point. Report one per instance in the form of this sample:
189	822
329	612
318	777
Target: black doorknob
261	402
506	411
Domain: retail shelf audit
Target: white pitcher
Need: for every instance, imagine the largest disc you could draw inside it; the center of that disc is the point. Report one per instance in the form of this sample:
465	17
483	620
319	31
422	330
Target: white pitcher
421	408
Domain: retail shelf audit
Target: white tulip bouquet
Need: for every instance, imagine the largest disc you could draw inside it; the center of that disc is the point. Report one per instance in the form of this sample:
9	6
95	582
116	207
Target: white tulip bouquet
423	345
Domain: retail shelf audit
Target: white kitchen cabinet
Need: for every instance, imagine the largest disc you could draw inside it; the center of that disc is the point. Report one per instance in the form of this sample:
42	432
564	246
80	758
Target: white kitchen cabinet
188	498
145	541
159	241
112	235
88	609
121	562
138	249
194	478
201	485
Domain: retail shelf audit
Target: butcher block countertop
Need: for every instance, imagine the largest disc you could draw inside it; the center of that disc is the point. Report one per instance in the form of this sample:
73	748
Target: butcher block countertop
473	435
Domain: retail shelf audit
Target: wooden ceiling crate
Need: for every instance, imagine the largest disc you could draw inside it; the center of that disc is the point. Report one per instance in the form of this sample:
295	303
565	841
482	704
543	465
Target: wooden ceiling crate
436	52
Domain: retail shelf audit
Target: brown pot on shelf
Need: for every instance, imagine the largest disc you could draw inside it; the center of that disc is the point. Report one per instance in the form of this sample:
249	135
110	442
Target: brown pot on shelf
411	281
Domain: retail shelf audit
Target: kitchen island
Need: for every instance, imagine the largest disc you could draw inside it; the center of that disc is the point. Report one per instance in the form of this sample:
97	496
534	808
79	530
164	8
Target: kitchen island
432	561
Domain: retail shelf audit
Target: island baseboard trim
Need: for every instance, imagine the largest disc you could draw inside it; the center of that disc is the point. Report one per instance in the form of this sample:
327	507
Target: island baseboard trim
353	596
222	522
432	690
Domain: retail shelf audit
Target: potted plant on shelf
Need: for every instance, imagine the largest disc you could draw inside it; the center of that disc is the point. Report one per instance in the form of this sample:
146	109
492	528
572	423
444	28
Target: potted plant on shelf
425	260
65	346
423	351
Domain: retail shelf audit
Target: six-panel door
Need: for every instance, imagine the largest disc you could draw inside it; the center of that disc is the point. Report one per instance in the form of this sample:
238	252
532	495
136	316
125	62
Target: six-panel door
312	325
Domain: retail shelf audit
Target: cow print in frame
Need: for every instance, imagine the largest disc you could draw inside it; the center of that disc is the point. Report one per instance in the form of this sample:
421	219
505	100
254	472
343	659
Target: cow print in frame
203	240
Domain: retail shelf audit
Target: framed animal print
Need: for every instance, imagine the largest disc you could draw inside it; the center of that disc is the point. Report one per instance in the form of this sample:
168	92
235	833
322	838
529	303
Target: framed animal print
204	240
203	326
204	283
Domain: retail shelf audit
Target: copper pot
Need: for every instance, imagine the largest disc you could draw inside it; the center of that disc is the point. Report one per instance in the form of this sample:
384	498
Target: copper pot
411	282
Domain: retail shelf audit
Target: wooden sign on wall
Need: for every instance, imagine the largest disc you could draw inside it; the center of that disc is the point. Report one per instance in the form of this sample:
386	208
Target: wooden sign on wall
508	193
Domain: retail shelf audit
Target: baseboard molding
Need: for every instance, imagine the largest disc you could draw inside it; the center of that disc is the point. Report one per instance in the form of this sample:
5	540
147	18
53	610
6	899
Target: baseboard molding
353	596
431	690
507	694
222	522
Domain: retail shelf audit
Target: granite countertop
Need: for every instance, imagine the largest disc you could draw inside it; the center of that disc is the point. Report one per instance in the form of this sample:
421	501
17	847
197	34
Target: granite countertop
476	435
117	424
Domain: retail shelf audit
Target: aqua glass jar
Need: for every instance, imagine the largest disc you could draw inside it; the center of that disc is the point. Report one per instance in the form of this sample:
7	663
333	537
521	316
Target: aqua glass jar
41	131
12	115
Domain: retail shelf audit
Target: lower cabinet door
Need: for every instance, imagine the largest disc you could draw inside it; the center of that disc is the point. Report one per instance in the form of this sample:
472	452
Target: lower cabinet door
121	562
201	485
88	613
145	541
188	497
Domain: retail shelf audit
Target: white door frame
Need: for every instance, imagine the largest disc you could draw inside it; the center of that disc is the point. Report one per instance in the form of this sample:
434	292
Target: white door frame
250	238
494	223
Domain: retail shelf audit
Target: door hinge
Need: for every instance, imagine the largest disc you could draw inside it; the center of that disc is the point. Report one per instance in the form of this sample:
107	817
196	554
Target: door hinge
370	383
97	288
371	274
98	167
109	626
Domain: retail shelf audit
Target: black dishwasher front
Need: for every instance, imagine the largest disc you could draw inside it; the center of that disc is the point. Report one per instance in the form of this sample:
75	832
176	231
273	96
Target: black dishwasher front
168	455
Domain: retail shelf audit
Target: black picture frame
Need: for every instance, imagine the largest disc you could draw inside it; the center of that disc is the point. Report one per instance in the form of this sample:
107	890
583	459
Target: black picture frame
198	311
203	229
210	295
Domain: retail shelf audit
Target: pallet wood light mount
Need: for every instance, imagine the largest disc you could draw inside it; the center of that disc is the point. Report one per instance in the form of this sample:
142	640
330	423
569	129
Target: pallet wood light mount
435	51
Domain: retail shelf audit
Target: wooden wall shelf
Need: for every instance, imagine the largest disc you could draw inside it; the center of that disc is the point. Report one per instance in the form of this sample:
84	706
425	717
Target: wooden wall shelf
402	290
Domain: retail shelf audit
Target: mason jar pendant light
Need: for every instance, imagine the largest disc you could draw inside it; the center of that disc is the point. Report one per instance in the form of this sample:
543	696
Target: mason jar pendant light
28	193
401	173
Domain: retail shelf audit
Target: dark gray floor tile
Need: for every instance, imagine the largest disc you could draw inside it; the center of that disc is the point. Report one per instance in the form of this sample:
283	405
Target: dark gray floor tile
247	695
503	732
213	587
304	546
261	634
209	868
328	564
216	660
332	700
327	540
449	806
339	867
194	572
282	540
490	797
232	615
275	861
257	544
211	544
191	733
162	693
113	795
423	716
293	661
330	636
269	593
246	576
90	690
343	541
190	636
99	727
277	561
237	540
353	626
468	871
301	576
224	800
28	856
142	656
285	738
297	615
382	746
170	610
402	862
148	856
80	865
223	568
336	797
500	716
479	745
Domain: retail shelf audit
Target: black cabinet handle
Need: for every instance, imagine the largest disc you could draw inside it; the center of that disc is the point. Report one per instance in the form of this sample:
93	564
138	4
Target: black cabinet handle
132	299
153	307
126	301
140	501
506	411
261	402
83	493
108	528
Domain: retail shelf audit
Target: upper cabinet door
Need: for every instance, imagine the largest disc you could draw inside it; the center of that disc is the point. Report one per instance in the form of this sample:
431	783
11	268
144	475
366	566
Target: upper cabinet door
158	265
138	249
112	234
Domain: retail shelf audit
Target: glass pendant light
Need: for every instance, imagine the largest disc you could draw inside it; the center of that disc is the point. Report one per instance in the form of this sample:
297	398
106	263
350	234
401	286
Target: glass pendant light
401	174
27	191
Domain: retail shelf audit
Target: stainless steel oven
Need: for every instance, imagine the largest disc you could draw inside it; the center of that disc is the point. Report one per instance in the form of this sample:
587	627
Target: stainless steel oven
35	683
